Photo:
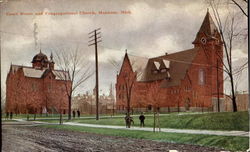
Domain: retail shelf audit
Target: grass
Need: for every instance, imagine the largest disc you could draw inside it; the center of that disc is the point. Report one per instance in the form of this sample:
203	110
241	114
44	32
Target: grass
226	142
207	121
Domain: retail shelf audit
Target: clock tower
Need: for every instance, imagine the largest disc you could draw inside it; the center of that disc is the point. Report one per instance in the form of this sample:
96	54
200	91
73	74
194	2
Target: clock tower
208	40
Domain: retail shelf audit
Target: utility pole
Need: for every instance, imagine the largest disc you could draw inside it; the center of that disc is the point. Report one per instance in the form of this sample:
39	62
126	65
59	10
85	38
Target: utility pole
95	39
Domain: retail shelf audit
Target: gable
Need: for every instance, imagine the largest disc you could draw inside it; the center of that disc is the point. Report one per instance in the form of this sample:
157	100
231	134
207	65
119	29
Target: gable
134	64
38	73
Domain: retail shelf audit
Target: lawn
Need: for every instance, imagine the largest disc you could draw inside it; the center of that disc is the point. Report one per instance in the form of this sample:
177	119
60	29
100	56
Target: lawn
226	142
207	121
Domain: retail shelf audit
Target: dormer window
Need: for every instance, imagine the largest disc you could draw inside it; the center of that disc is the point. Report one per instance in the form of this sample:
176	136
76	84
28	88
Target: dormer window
163	70
157	65
168	74
166	63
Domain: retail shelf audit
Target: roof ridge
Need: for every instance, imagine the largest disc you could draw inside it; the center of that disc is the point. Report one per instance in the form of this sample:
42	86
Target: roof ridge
137	56
22	66
173	53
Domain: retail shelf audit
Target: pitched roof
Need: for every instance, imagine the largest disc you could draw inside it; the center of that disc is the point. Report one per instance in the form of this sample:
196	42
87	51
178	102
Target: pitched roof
38	73
179	64
208	28
138	65
33	73
171	67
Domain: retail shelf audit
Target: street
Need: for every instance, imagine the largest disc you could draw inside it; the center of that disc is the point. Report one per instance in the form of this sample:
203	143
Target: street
33	138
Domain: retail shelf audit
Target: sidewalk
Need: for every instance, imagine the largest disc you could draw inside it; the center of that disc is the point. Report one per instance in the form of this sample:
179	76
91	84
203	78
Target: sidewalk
116	116
187	131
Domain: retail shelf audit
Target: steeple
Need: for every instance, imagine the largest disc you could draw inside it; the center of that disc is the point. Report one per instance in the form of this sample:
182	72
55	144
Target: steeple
207	30
111	90
51	57
51	62
208	26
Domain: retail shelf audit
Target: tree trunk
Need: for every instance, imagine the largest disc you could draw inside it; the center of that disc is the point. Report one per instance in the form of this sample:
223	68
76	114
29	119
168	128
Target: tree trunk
60	118
154	123
69	111
233	94
158	117
128	112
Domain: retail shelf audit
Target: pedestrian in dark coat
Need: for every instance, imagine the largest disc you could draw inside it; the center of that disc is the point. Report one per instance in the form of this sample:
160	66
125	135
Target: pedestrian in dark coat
7	115
74	113
11	114
142	118
78	113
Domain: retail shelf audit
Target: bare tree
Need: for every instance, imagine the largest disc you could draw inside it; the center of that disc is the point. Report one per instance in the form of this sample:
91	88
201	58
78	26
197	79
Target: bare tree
242	5
154	98
229	31
129	81
115	64
76	71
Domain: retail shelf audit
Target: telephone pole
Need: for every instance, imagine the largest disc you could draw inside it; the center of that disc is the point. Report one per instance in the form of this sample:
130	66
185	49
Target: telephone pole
95	38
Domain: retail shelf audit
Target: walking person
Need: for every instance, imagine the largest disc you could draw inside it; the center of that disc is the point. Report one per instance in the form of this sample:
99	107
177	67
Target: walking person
126	120
74	113
78	113
11	114
142	118
7	116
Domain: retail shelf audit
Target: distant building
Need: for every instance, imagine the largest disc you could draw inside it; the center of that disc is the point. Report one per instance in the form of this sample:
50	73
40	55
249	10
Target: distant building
241	102
182	81
86	103
37	89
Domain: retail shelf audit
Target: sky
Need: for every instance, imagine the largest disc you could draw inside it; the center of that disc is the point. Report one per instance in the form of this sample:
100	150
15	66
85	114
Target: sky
149	28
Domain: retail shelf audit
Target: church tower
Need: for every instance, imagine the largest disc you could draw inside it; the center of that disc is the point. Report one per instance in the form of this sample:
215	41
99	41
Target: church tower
208	33
40	61
208	39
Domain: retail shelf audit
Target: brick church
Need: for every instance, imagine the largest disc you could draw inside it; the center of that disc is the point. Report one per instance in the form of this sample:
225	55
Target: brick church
186	80
37	89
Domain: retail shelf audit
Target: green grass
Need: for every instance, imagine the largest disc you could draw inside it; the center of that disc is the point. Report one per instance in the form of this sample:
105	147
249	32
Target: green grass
207	121
226	142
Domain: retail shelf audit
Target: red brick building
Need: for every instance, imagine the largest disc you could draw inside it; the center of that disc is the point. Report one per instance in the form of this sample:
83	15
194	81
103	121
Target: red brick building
37	89
186	80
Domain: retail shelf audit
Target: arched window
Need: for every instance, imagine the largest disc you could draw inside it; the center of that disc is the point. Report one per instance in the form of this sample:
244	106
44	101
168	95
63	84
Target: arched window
201	77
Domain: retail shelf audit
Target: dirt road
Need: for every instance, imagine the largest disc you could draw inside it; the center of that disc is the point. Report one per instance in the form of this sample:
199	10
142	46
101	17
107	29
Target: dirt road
33	138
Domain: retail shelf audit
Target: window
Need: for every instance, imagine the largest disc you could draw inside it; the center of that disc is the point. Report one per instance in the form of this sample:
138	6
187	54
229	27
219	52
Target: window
34	87
163	70
50	87
201	77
